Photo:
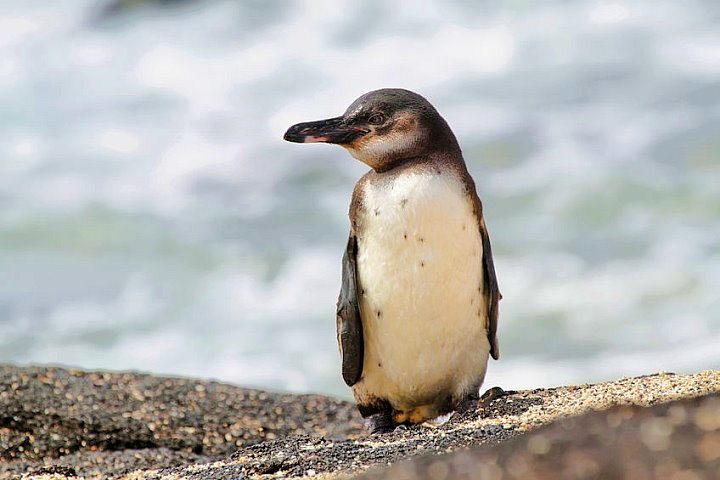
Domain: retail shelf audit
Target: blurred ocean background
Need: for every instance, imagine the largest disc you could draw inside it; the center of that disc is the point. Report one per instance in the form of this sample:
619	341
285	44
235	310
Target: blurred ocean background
152	218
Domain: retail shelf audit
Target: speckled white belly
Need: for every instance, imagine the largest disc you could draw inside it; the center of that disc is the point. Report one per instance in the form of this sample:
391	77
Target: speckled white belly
420	277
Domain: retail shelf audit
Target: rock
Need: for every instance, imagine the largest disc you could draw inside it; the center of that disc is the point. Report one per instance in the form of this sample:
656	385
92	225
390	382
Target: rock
677	440
319	437
103	424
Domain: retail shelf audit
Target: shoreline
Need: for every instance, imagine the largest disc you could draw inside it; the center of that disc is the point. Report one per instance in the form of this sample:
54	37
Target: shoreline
60	423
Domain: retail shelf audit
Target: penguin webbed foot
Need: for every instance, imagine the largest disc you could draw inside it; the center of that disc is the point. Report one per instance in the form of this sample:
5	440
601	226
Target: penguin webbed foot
491	395
474	402
380	423
468	403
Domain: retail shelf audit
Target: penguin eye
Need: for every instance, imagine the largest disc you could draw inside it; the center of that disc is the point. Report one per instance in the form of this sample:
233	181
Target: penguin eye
376	119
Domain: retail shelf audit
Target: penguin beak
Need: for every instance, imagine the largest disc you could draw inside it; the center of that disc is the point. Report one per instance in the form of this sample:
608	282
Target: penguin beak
332	130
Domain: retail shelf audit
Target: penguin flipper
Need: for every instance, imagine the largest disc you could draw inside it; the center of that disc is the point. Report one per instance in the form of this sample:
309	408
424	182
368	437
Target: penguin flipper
491	290
349	323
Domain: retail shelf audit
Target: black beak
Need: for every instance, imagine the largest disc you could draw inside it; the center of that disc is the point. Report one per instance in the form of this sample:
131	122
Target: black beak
332	130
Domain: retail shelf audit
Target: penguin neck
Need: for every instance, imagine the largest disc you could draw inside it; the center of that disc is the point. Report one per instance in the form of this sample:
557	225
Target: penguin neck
435	155
441	143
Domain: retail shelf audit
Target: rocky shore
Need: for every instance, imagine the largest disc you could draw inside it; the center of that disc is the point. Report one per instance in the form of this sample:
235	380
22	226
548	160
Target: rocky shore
70	424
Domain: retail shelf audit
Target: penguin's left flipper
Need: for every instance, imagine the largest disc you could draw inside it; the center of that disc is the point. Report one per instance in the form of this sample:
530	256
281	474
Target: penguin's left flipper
349	323
490	290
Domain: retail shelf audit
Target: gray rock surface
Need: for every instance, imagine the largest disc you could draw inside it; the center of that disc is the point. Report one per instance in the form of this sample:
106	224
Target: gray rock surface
104	424
101	425
677	440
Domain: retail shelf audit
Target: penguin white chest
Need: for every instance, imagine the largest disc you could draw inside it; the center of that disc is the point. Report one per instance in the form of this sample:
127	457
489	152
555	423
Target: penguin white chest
419	269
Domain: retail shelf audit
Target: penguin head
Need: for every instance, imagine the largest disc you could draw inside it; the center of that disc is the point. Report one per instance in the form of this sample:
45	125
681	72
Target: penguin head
382	129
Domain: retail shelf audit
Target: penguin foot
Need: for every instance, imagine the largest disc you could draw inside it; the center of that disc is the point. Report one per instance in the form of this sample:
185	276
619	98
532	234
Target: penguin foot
491	395
381	423
469	404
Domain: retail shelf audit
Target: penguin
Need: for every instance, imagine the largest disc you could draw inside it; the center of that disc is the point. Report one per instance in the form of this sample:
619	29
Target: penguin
417	313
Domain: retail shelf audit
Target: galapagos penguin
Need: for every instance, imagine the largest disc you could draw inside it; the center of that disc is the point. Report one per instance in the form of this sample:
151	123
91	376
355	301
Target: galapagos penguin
417	314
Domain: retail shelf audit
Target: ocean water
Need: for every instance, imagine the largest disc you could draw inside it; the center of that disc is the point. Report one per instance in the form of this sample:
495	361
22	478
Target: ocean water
152	218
